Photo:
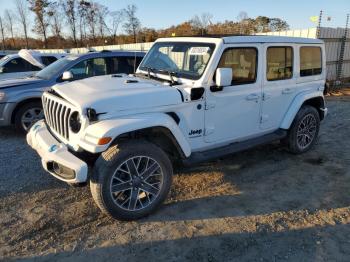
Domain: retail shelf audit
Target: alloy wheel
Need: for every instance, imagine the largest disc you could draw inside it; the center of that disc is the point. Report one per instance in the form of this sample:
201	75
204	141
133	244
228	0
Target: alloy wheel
31	116
306	131
136	183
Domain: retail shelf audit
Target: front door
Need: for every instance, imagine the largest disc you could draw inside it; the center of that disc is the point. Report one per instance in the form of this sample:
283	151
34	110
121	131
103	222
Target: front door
233	113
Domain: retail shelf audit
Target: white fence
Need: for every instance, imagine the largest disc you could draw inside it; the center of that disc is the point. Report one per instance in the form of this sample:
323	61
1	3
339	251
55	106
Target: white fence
333	41
128	47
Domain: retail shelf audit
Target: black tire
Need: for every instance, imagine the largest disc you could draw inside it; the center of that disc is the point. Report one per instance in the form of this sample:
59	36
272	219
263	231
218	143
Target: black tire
295	142
112	161
22	110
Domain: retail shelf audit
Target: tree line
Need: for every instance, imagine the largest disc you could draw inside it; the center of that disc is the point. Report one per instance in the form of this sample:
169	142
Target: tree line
83	23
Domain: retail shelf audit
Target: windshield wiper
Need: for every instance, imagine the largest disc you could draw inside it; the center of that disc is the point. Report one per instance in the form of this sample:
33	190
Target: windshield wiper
171	75
149	70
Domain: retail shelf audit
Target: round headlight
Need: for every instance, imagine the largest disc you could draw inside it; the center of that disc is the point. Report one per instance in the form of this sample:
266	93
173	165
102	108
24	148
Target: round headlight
75	122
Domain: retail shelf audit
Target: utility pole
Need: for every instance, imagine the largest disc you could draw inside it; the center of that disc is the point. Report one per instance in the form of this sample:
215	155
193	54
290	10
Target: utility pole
318	32
342	51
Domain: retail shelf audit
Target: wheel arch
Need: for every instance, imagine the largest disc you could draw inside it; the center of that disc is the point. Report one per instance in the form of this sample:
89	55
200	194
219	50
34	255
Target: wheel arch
313	99
22	103
159	128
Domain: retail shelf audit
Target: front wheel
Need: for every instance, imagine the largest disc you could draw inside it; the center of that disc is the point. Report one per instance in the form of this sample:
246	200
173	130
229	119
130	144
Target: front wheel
131	179
304	130
28	115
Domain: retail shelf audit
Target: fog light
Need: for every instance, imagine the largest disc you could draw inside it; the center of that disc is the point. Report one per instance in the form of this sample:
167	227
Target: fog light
104	140
61	170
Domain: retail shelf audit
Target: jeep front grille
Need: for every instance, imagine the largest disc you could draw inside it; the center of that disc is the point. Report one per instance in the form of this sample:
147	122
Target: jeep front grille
57	113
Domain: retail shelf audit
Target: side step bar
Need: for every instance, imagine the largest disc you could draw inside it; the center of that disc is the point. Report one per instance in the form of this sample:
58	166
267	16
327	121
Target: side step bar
204	156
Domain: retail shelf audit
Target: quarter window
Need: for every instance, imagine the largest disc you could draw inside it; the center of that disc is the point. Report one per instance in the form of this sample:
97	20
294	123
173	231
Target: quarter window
243	62
279	63
310	61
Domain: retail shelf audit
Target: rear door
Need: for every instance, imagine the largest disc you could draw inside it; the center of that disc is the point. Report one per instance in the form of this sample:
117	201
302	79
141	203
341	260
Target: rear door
279	85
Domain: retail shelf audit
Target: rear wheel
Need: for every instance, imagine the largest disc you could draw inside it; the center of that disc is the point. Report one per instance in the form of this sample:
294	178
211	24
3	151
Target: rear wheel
131	179
28	115
304	130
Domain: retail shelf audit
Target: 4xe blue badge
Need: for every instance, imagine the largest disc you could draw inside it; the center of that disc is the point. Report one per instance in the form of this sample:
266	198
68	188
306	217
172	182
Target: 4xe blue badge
53	148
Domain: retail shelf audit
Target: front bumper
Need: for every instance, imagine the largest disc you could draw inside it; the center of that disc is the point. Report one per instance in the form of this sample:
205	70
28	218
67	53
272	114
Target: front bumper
55	154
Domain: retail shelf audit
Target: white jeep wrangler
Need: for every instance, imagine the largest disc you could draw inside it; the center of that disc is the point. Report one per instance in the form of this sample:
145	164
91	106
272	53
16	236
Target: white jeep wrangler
191	99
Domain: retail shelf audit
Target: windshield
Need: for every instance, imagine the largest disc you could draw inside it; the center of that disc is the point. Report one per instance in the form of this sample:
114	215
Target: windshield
4	60
55	68
184	60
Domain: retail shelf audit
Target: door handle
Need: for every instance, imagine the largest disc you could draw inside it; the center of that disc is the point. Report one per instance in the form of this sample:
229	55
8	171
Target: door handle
252	97
288	91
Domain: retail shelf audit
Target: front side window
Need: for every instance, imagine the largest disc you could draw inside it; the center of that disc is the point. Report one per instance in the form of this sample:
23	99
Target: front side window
19	65
243	62
89	68
184	60
310	61
279	63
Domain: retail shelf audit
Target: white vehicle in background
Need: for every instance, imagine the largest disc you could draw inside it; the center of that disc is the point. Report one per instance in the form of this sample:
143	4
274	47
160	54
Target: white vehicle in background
191	100
25	63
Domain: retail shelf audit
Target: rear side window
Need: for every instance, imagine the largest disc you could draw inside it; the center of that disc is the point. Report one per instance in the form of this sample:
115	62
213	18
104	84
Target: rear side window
279	63
243	62
48	60
310	61
123	64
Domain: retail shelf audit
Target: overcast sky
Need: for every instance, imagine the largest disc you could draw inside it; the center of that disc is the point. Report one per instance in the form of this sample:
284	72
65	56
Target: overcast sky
164	13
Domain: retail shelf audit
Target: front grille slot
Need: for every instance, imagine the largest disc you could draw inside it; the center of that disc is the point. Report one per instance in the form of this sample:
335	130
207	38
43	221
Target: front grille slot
57	113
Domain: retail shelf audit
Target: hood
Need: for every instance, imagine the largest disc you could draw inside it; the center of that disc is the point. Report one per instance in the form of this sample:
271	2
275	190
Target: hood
108	94
32	57
19	82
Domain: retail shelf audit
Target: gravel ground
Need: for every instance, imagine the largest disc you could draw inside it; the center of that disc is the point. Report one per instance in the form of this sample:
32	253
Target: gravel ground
263	204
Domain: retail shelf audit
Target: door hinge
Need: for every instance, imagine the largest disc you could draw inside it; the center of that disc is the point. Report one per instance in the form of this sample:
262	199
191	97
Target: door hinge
209	105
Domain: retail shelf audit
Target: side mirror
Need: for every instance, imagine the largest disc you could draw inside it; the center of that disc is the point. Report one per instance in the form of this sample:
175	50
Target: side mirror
223	77
67	76
2	70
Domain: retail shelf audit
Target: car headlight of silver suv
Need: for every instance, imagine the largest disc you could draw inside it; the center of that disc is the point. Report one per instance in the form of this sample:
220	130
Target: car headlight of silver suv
75	122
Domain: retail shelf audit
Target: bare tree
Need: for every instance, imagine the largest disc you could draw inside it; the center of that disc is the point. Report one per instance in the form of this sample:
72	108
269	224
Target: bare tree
201	22
2	33
91	19
132	24
41	9
242	16
101	12
23	17
82	14
56	20
9	24
116	19
70	8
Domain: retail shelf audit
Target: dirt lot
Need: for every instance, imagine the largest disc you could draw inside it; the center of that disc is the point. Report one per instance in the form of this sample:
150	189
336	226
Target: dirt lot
264	204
